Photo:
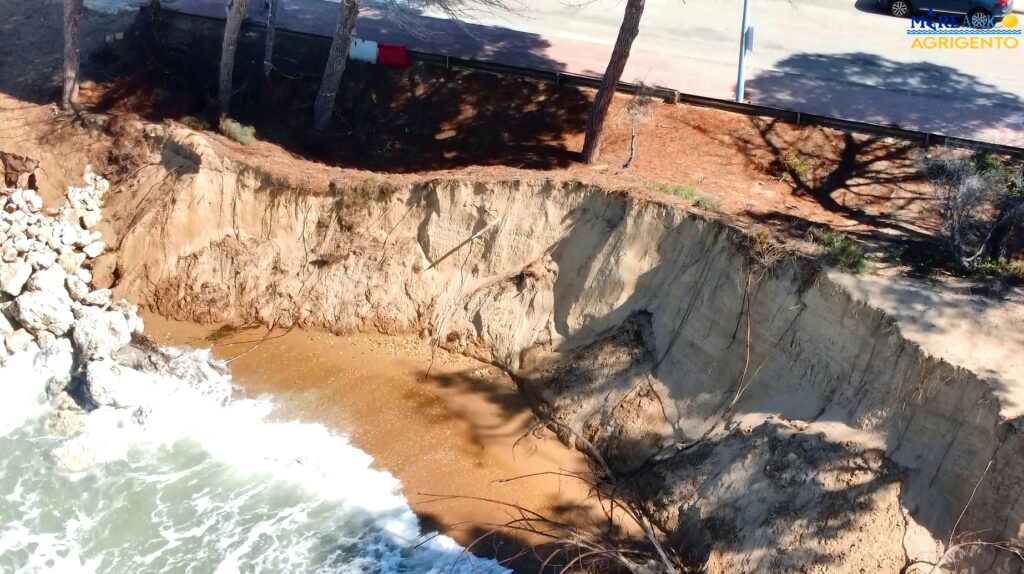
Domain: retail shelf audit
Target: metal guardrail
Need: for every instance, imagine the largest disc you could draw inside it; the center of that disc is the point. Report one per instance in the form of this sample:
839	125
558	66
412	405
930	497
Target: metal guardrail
675	96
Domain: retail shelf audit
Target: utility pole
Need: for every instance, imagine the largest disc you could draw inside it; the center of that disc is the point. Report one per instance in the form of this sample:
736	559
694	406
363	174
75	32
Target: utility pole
746	45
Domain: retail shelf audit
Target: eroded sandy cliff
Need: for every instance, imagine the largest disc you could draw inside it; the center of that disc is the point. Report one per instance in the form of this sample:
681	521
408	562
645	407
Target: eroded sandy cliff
773	421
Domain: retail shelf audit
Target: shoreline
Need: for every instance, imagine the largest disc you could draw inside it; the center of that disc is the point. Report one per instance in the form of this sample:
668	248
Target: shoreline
458	431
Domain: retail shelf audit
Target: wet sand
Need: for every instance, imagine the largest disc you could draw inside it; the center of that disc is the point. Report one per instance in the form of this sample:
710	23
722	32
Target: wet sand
452	432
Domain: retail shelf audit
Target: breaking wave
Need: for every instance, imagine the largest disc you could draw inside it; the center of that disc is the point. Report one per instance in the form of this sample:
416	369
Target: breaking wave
197	485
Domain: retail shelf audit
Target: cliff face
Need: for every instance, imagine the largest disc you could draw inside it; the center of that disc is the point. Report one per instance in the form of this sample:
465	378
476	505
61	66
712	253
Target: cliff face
828	440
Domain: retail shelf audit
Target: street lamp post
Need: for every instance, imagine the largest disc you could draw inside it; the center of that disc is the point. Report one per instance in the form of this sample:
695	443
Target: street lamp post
746	41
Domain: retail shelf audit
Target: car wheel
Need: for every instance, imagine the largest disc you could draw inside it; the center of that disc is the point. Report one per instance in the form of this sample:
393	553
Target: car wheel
899	8
980	18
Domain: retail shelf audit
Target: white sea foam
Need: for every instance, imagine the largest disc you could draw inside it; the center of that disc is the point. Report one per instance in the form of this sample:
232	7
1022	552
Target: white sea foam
187	483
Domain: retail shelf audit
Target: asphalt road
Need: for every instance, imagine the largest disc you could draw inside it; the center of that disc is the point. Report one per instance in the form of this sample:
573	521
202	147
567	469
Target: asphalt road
831	57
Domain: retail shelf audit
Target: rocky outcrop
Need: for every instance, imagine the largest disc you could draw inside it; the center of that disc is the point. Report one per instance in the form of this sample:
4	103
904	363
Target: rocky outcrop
644	328
90	348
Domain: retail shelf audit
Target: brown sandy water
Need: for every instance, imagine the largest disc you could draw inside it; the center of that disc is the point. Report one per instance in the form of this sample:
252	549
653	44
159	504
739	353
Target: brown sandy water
453	431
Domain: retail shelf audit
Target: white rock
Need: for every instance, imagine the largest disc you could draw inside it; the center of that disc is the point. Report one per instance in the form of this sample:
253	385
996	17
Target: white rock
45	339
76	455
65	422
71	262
94	250
84	238
42	259
68	235
21	341
26	199
77	288
16	230
50	280
5	325
113	385
56	359
99	298
44	311
131	314
13	277
85	275
100	333
90	219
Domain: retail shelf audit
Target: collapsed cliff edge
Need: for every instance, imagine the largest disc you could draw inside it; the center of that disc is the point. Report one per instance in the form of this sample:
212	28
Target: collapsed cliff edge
773	417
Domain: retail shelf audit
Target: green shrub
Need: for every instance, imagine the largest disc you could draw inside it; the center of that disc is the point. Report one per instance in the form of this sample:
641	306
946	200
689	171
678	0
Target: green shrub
839	249
987	269
797	164
693	195
198	124
242	134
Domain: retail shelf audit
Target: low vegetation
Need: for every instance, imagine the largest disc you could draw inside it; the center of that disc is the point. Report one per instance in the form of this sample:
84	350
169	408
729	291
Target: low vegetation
797	164
242	134
195	123
839	249
981	203
693	195
763	248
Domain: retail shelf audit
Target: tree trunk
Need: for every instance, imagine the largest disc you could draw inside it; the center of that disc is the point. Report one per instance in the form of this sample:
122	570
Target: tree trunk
336	62
72	29
237	10
268	50
616	64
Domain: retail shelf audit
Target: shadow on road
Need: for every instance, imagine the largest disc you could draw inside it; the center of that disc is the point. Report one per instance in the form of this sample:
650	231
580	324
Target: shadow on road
871	88
869	6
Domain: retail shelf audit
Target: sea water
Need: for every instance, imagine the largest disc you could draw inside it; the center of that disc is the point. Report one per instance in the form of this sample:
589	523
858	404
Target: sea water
191	484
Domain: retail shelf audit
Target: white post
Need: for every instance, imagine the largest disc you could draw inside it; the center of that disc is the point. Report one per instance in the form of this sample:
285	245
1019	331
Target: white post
744	36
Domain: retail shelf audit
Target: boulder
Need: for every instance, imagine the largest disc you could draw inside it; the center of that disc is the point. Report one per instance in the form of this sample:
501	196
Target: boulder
50	280
13	277
102	298
43	311
112	385
21	341
90	219
65	422
42	259
77	288
71	261
76	455
94	249
99	333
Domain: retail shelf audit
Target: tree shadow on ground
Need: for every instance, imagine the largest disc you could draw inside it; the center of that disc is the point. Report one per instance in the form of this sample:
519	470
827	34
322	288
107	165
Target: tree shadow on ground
425	117
512	419
871	88
871	180
32	48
